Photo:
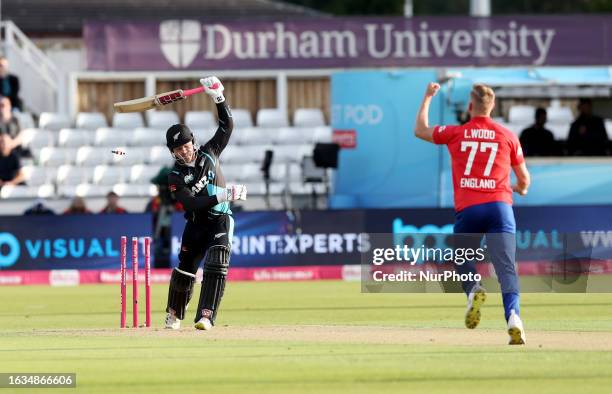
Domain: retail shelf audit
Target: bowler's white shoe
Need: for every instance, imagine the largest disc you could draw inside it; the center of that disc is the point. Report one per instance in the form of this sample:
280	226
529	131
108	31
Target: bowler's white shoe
172	323
515	329
477	297
204	324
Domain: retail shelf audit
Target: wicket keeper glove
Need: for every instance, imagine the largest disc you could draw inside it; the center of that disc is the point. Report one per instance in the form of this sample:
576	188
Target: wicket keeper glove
214	88
232	193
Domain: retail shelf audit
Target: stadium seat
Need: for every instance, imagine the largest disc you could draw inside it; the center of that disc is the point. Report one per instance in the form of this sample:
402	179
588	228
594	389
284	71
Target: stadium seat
521	114
242	118
18	191
202	135
249	172
46	190
291	153
159	155
143	173
146	136
112	137
515	128
90	120
323	134
75	138
110	175
280	172
52	157
293	135
200	120
36	175
26	121
27	191
560	131
560	115
299	187
254	136
244	154
162	119
135	189
66	191
38	138
127	120
308	117
231	172
85	190
132	156
257	188
271	117
89	190
92	156
276	188
240	173
54	121
73	175
284	154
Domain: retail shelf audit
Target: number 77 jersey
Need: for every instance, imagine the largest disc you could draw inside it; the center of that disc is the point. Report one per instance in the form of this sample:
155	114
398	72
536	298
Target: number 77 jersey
482	154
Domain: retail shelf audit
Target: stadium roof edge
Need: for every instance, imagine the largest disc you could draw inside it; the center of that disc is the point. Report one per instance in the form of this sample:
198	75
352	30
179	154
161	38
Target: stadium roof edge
65	17
538	76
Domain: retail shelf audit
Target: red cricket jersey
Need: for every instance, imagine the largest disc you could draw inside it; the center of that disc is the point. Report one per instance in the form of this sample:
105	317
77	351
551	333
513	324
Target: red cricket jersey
482	154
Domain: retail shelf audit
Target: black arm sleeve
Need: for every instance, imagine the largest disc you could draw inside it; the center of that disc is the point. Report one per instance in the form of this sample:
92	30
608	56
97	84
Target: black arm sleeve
226	124
191	203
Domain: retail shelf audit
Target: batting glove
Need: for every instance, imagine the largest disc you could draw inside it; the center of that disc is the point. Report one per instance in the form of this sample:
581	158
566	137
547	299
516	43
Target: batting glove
214	88
233	193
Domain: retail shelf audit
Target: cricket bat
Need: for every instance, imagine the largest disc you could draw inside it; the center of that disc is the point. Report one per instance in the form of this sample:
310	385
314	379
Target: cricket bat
146	103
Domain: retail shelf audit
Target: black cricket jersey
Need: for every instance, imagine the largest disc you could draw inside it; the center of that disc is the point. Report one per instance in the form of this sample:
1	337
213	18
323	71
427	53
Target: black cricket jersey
195	185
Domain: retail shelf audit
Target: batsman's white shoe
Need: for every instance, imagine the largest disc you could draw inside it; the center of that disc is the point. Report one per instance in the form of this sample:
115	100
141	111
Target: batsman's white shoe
515	329
477	297
204	324
172	323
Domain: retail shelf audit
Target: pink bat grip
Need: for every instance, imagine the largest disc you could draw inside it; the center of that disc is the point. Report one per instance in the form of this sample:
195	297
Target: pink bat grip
190	92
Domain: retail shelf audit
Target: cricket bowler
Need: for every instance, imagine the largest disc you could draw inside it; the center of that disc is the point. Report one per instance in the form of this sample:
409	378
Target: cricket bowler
482	154
196	181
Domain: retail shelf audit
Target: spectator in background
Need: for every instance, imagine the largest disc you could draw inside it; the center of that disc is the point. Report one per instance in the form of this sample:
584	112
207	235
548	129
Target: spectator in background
77	206
39	208
10	164
587	136
9	84
162	207
10	125
112	204
537	140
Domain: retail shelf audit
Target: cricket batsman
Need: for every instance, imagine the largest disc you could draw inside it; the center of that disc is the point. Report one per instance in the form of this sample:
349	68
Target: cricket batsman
482	154
197	183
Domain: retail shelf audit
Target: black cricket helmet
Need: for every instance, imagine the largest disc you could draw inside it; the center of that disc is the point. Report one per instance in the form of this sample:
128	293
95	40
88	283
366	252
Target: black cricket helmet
177	135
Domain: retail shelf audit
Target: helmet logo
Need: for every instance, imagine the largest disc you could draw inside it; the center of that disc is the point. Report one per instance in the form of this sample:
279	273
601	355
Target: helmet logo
175	136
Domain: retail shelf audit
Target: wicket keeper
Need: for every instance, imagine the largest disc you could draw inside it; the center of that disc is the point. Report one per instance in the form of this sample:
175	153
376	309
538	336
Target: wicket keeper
482	154
196	181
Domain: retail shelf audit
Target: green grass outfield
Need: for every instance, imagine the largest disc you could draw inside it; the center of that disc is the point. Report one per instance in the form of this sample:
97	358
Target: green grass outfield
309	337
